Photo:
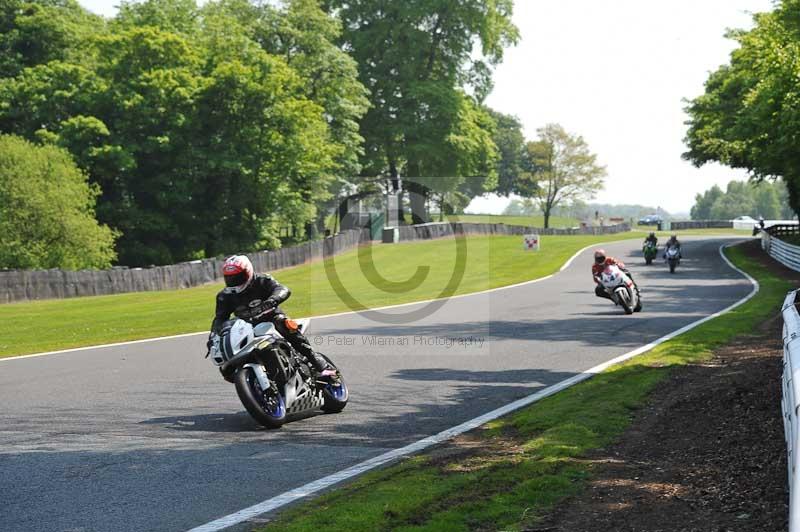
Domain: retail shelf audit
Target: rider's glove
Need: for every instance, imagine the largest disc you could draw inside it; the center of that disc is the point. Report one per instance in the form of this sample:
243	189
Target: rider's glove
271	302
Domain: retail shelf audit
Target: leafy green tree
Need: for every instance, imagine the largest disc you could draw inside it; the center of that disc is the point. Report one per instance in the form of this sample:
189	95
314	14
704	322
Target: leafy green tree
737	201
47	211
174	16
416	59
35	32
749	116
510	142
565	168
766	201
703	202
521	207
204	135
303	34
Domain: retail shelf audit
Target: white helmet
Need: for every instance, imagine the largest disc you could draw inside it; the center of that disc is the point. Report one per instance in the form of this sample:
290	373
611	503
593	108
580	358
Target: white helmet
238	273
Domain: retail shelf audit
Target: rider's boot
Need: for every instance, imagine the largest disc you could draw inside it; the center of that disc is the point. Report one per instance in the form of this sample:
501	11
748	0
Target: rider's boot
322	370
599	291
289	329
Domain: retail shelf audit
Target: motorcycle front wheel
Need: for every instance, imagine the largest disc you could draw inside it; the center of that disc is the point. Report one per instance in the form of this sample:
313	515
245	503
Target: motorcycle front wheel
624	301
266	407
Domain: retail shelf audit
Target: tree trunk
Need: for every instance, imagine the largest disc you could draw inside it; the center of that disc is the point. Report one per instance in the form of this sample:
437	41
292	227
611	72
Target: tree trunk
395	178
312	231
547	217
417	195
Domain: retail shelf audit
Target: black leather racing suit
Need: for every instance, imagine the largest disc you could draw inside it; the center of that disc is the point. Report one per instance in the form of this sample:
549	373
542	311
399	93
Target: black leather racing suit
263	294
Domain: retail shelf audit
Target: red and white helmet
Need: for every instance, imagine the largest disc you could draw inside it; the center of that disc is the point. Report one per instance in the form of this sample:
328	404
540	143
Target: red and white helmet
238	273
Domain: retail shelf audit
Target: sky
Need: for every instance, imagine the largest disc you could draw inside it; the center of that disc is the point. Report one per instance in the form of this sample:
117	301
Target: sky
616	73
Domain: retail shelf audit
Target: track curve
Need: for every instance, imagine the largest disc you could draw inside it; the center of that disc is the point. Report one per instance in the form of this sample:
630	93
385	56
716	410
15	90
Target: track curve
148	437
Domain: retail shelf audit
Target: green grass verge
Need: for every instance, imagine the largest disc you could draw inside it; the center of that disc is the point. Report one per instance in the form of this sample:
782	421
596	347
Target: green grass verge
527	221
522	464
30	327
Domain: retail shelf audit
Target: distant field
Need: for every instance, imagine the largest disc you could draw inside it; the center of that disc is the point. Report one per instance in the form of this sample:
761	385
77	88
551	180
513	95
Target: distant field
530	221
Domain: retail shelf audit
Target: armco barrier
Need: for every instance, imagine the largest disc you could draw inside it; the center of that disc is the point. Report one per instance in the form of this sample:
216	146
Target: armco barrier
786	254
790	403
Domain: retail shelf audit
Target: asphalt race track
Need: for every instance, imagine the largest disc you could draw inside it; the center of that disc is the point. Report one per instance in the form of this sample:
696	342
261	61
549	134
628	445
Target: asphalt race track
149	437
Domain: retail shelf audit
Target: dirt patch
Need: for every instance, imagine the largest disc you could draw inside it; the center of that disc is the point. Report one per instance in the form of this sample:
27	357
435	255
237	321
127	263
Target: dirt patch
706	454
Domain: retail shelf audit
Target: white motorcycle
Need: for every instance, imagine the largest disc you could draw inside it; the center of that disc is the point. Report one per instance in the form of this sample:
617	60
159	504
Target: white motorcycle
673	257
273	380
621	289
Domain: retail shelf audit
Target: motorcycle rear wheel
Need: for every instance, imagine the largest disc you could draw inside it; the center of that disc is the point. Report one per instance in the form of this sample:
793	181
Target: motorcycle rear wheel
267	408
335	396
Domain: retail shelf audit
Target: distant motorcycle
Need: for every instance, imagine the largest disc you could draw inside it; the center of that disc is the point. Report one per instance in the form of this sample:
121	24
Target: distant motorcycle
650	252
621	289
272	379
673	257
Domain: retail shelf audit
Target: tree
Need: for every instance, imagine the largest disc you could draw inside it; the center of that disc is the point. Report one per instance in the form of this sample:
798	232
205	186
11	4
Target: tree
47	211
510	142
749	115
564	167
766	201
703	202
739	199
35	32
521	207
305	35
416	59
206	129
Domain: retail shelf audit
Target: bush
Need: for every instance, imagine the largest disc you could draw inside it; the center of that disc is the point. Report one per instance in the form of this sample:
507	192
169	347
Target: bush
47	217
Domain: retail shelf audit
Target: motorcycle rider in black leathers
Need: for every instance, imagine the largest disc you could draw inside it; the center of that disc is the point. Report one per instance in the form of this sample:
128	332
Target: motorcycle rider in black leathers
651	238
255	299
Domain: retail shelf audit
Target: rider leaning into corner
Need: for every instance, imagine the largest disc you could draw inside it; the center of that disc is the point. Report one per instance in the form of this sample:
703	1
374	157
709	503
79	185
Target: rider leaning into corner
255	299
601	261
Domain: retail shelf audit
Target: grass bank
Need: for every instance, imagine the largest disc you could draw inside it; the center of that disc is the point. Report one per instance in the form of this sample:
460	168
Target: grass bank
509	473
490	262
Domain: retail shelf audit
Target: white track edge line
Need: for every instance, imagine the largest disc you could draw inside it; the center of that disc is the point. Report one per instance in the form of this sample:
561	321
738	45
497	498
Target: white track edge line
313	487
326	316
323	316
